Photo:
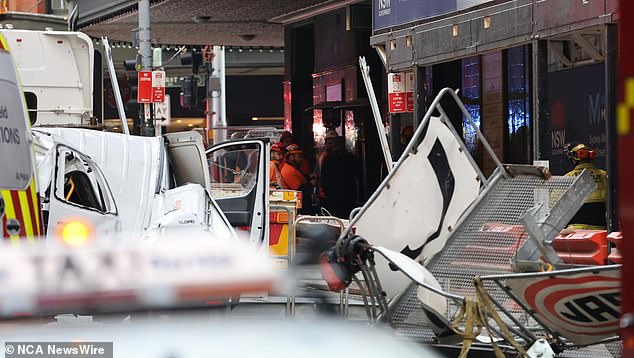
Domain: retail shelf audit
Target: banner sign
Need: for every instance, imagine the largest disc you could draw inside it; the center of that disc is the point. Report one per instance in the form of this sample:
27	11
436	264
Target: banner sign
584	307
388	13
576	101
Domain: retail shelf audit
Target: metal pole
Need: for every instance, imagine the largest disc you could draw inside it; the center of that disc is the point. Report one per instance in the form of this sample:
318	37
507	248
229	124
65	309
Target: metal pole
218	97
145	50
612	154
365	73
540	94
115	86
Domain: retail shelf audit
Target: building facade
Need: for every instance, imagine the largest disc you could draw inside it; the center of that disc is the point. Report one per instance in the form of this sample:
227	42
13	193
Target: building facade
534	75
323	87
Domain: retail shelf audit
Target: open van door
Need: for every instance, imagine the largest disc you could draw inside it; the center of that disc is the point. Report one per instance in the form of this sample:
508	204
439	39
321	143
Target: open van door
239	183
187	158
79	193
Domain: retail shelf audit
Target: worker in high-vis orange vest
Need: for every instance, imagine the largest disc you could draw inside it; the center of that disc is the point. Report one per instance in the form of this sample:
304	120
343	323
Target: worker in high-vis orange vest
291	173
294	178
275	167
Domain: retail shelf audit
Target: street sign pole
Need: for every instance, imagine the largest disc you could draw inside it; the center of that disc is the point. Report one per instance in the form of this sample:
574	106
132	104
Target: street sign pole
145	50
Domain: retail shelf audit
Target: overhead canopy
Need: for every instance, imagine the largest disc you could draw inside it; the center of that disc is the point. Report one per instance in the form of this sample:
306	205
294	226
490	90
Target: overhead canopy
195	22
352	104
355	103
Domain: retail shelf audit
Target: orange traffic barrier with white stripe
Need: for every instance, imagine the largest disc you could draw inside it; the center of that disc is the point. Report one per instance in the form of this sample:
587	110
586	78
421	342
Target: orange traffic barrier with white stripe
284	205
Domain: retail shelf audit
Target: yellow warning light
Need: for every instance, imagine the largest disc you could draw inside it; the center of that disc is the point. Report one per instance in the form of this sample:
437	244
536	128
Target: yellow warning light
75	233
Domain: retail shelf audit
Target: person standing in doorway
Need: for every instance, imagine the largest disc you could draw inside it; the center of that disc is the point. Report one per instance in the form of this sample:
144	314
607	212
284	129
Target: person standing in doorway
339	177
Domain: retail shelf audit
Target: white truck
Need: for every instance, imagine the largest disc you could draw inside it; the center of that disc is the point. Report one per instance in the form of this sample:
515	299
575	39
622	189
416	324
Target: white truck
56	69
147	182
137	180
111	182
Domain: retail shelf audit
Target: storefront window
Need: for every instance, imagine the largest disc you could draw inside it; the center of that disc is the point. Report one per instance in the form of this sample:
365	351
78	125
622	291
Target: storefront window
350	132
471	99
518	104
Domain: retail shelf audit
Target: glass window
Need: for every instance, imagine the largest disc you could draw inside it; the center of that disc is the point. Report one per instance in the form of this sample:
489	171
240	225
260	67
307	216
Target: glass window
518	116
350	132
83	183
31	105
233	170
471	99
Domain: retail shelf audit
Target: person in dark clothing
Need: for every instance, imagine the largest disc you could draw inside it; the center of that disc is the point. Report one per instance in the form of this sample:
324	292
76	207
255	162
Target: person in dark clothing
339	180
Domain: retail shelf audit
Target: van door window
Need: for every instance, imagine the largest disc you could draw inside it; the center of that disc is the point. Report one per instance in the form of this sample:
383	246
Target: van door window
83	183
31	105
233	170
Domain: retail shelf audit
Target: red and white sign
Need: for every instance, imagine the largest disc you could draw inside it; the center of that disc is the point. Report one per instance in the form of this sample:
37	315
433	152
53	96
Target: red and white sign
151	86
162	112
409	91
158	86
400	92
584	308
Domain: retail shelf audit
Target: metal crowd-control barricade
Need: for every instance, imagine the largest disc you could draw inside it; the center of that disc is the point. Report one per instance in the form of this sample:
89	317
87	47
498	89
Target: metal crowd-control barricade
289	257
344	295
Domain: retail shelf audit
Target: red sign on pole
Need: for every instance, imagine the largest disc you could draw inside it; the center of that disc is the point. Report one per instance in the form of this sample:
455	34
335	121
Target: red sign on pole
409	91
151	86
400	92
144	91
396	92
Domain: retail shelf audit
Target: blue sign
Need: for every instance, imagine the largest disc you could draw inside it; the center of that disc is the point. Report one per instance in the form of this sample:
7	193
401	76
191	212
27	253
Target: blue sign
388	13
576	101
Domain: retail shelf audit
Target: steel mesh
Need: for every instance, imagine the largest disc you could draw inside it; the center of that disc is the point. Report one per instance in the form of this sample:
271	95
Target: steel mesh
484	244
489	237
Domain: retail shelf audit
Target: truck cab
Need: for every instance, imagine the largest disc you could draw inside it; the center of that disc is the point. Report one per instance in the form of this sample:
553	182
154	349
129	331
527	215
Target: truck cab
56	69
154	182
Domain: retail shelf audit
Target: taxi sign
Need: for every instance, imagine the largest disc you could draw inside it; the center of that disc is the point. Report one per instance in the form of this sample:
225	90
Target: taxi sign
15	148
173	273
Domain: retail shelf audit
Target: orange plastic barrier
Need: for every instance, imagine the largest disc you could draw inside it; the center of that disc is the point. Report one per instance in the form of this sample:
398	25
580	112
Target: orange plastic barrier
616	238
585	247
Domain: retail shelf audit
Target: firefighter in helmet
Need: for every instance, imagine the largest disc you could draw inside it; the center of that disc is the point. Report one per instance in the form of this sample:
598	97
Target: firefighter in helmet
591	216
293	176
275	167
291	173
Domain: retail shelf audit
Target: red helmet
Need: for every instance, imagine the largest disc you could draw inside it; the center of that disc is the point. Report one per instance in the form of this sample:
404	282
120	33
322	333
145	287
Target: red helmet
278	147
580	151
293	149
407	131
